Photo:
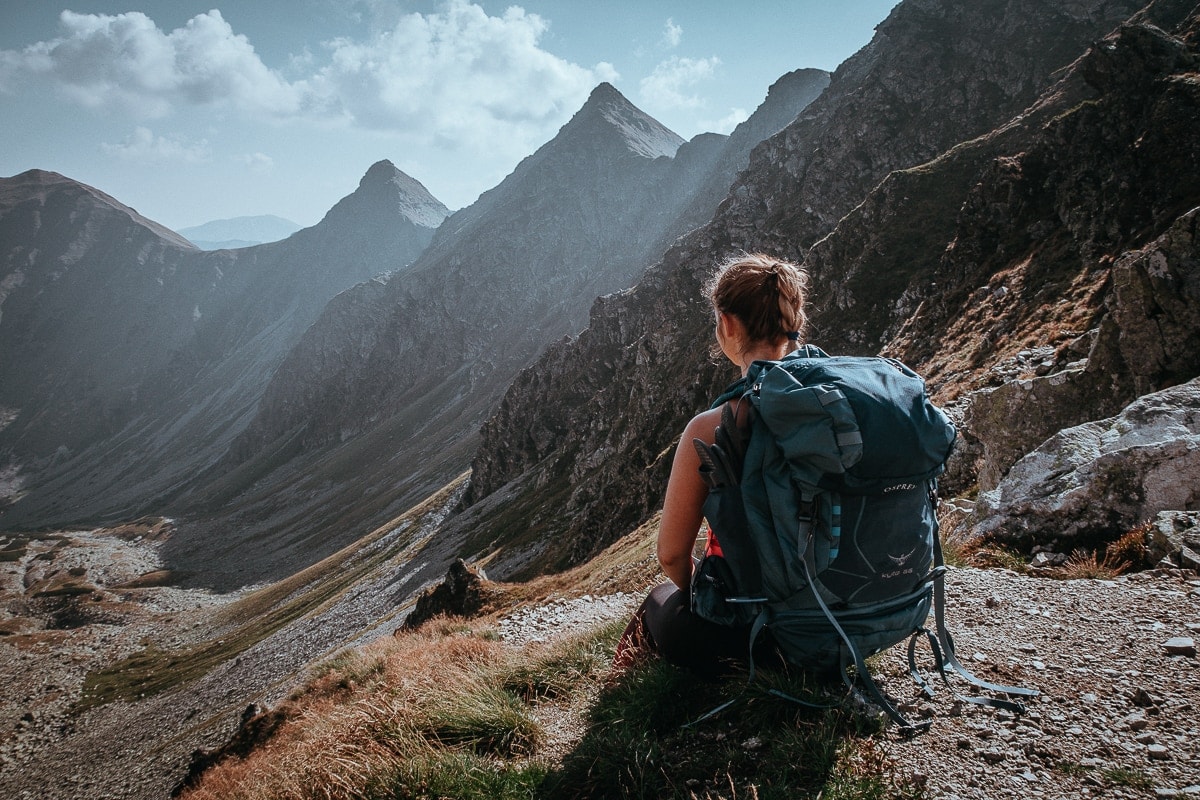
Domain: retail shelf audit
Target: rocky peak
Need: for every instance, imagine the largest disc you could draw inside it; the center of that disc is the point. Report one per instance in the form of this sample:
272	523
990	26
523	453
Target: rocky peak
39	188
385	190
638	131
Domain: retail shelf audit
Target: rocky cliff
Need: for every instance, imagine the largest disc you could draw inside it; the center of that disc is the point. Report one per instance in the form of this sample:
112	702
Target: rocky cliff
131	360
882	187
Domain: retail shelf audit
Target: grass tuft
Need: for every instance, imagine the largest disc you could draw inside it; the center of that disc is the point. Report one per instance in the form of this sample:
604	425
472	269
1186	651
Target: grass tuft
1131	547
995	557
1122	776
1086	564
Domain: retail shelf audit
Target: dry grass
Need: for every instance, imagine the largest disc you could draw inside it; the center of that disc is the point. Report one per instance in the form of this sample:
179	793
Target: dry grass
627	565
442	711
1087	564
1131	547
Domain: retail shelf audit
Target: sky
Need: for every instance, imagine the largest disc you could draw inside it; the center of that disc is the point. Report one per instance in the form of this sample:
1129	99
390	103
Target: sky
196	111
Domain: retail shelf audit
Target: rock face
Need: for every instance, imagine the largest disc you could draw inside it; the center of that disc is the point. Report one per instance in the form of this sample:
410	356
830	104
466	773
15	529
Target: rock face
786	98
1093	482
1041	179
131	360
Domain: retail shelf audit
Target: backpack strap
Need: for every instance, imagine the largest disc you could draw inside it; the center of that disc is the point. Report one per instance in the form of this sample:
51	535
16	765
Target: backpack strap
942	644
945	653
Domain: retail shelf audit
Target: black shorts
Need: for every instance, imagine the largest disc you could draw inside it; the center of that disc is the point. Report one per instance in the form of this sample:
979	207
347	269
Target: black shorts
694	643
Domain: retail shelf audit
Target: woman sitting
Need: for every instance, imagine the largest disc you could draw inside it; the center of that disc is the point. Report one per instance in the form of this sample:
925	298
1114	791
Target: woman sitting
758	306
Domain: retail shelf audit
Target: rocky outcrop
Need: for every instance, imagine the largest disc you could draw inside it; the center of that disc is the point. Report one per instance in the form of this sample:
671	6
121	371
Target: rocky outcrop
1094	482
582	441
465	592
1173	539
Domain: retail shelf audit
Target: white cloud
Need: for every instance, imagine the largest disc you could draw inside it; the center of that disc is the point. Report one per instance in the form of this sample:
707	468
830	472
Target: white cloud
727	123
128	62
460	76
143	146
455	77
672	34
668	85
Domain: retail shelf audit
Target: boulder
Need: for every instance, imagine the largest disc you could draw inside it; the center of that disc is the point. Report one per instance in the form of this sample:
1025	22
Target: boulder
1174	537
1092	483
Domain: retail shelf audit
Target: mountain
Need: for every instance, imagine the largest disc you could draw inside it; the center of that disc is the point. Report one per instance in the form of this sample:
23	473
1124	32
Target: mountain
579	449
787	97
132	359
1026	234
381	400
237	232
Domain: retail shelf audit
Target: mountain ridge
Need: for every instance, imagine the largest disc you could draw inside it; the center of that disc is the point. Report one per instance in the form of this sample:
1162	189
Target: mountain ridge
401	372
799	185
239	231
188	356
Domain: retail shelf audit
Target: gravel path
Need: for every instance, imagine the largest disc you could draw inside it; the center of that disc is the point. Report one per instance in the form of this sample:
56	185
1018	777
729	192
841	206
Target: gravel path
1118	715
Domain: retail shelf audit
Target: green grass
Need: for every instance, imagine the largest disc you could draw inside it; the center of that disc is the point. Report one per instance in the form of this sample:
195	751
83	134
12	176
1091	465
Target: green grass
1122	776
486	719
459	775
566	669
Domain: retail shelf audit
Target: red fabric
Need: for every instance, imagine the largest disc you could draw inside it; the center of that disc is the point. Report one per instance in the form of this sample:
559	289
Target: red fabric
713	547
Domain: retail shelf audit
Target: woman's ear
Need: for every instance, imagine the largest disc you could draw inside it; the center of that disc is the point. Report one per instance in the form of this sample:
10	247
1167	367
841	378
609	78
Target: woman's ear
729	326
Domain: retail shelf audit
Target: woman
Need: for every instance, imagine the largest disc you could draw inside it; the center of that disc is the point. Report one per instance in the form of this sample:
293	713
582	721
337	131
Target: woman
758	305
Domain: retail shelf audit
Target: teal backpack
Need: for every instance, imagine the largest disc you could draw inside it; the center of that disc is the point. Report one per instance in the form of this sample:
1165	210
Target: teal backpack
823	501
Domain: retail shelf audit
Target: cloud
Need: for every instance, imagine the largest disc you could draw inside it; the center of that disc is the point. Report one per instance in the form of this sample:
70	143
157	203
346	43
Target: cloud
128	62
258	162
672	34
459	75
668	85
455	77
142	146
727	123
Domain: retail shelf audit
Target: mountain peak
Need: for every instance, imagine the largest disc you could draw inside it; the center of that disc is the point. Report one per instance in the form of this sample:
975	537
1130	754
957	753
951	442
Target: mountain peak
606	92
644	135
36	185
385	186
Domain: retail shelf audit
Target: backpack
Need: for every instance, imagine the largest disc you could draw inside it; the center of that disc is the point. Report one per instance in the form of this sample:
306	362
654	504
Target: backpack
823	502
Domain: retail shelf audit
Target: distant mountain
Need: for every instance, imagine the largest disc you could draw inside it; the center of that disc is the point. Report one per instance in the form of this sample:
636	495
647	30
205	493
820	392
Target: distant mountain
131	360
397	374
237	232
579	449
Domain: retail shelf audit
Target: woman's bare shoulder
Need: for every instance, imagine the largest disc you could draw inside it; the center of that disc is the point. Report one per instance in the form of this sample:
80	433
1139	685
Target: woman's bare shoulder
703	425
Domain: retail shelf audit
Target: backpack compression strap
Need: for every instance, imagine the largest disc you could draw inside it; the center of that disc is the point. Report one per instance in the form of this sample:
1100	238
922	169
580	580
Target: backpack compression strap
945	653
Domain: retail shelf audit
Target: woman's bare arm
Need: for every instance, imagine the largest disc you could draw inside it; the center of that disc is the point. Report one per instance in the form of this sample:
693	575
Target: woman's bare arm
684	502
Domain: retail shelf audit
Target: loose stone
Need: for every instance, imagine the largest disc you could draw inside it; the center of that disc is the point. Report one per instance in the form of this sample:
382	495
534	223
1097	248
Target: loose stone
1180	646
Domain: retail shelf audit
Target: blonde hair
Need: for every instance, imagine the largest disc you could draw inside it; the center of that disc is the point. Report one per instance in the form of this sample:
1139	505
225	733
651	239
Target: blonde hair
766	294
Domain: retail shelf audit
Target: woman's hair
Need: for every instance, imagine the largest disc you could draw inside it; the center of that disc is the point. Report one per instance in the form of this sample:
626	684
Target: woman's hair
767	294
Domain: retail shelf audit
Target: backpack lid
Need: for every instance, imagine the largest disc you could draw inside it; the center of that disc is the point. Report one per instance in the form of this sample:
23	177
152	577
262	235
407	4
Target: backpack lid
854	423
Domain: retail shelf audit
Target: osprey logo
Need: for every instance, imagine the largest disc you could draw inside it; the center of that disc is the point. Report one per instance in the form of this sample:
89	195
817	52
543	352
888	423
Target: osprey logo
900	487
899	561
